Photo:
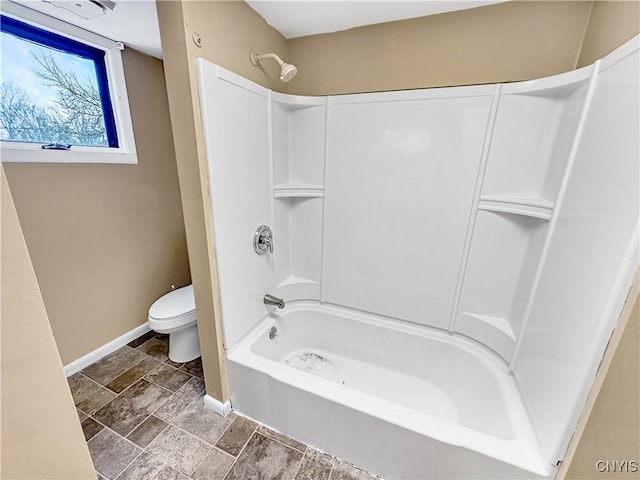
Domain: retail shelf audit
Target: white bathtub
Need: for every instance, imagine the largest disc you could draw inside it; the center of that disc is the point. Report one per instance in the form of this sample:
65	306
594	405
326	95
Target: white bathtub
402	401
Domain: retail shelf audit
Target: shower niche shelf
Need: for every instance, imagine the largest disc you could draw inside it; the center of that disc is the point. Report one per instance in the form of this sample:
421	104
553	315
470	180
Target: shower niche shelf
298	190
505	251
298	252
298	149
530	207
298	140
495	332
530	145
296	102
531	142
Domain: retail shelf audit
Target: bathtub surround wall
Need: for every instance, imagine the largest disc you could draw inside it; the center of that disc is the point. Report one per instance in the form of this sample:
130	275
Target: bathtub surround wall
530	202
586	218
228	30
107	240
41	436
610	423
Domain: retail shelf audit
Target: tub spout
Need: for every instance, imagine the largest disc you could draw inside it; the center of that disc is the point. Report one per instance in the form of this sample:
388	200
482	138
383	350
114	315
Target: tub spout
271	300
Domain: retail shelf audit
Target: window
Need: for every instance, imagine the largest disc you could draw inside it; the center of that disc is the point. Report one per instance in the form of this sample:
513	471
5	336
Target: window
62	99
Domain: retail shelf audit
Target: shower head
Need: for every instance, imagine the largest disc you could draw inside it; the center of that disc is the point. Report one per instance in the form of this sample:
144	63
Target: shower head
287	71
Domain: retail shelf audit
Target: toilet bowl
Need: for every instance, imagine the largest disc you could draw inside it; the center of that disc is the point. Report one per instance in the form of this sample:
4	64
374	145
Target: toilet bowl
175	314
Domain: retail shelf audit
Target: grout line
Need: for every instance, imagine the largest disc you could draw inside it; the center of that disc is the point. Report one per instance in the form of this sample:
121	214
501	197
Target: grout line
246	442
200	462
189	433
265	434
295	474
244	447
227	428
282	443
129	464
333	464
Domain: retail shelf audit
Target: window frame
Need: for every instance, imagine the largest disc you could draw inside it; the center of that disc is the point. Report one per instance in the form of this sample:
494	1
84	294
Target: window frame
125	152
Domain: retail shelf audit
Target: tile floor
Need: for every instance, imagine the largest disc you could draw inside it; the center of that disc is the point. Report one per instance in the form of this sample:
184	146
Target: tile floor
143	418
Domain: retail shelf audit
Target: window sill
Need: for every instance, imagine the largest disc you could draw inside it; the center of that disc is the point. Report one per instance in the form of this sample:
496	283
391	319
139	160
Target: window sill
35	154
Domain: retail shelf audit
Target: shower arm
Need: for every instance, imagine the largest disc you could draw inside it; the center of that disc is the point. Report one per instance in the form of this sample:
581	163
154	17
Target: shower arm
256	58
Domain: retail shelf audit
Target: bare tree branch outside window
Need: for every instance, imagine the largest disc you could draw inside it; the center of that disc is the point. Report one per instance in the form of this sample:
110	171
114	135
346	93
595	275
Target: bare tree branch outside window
74	118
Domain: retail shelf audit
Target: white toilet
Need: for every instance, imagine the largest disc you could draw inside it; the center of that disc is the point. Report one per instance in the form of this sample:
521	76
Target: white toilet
175	314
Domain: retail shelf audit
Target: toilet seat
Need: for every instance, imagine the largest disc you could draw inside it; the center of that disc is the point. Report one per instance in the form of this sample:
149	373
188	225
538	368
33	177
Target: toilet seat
174	310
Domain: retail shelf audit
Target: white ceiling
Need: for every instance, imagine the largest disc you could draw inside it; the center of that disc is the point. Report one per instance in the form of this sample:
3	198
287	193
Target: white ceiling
309	17
135	22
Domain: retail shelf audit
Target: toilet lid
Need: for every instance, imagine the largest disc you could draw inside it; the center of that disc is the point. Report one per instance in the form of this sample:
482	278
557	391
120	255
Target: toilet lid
174	304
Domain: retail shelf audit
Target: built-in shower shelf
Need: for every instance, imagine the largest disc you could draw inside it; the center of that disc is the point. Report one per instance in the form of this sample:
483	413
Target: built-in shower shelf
295	280
499	323
297	102
298	190
494	332
298	288
530	207
555	86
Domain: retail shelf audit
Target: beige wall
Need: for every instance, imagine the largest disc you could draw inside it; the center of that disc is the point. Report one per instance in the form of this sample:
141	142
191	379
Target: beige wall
41	434
497	43
107	240
229	30
611	24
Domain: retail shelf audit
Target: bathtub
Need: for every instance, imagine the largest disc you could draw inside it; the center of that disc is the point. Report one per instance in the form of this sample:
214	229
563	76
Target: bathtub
402	401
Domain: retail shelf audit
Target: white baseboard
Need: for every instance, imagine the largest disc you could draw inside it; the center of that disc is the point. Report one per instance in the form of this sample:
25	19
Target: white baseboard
217	406
104	350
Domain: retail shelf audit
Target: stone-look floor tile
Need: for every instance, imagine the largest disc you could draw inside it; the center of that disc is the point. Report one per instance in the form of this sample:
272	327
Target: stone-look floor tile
193	389
265	459
168	361
141	339
100	477
96	401
163	337
288	441
81	387
236	436
155	348
90	428
132	375
111	453
315	466
167	377
142	468
345	471
144	434
194	367
173	407
168	473
202	422
214	466
114	364
81	415
179	449
132	406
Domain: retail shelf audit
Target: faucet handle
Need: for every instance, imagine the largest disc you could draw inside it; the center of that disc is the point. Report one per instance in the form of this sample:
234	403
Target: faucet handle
268	241
263	240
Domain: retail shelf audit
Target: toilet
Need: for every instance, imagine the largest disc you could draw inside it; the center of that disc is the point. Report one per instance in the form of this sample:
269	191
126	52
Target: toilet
175	314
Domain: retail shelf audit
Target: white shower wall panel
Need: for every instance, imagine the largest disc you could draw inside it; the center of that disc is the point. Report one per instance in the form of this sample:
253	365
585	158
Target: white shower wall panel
235	125
399	189
591	259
